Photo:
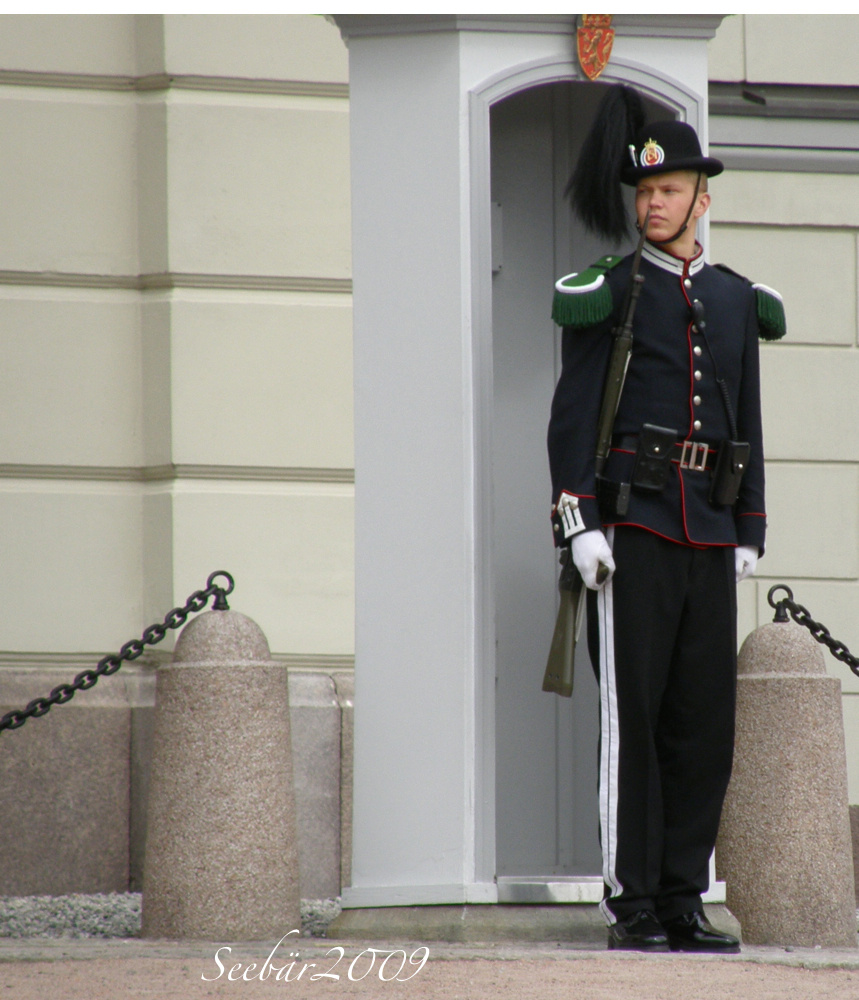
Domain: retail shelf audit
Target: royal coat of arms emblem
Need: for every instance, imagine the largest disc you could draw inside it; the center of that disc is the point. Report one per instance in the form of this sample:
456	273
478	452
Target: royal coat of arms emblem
594	42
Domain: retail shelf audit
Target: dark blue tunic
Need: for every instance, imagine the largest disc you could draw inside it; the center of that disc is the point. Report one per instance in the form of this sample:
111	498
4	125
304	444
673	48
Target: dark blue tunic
671	382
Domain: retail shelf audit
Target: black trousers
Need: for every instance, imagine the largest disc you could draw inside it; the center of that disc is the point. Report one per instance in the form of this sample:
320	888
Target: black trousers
662	638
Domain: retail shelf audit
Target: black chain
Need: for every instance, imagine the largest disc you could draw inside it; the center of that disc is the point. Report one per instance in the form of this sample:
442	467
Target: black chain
130	651
802	617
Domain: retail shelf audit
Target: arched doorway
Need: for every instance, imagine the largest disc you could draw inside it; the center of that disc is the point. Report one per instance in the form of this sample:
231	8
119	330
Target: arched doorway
546	746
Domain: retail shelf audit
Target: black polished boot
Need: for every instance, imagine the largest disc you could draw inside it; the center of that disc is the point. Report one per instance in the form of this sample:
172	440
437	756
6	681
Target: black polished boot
639	932
693	932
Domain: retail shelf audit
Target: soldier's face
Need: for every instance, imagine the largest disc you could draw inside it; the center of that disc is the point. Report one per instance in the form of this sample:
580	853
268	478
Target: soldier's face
668	196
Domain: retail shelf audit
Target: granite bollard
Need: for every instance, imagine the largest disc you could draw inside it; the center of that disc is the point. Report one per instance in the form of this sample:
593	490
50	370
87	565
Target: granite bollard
221	858
784	846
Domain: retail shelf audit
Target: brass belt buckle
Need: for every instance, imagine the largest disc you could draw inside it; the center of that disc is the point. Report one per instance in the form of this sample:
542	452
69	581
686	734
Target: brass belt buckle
694	456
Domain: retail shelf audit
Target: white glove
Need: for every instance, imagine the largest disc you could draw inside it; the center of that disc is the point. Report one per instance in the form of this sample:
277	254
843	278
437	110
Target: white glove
590	552
746	557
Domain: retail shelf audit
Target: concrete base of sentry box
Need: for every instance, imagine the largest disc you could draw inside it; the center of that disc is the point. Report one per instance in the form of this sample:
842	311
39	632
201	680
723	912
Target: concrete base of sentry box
580	925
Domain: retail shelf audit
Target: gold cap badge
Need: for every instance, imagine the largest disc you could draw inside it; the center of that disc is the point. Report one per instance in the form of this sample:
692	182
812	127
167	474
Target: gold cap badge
652	154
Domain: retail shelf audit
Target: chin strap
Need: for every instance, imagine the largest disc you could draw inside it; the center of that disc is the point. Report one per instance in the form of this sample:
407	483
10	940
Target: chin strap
685	226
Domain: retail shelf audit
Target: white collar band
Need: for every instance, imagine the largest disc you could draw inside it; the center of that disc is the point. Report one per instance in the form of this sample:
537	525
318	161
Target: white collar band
674	265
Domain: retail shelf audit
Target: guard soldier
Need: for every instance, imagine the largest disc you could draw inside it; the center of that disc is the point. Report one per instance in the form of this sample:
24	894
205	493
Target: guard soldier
673	520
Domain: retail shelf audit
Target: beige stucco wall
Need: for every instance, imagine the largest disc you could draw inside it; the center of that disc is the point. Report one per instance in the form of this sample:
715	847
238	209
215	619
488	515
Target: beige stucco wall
175	321
786	48
798	232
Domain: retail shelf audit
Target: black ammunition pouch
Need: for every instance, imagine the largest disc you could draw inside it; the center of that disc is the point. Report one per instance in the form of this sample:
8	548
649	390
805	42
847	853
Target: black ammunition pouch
653	458
654	447
731	462
612	498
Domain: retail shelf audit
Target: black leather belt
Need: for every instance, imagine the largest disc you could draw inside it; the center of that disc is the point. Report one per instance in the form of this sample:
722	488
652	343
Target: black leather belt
695	455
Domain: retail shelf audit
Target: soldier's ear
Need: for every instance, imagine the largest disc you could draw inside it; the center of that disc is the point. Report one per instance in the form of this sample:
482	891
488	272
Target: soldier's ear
702	204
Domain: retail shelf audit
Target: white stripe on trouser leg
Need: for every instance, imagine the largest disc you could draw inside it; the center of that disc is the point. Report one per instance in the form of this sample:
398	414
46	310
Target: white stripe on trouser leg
609	741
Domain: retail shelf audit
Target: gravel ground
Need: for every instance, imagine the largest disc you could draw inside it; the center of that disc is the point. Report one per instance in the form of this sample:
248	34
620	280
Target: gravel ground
136	970
85	948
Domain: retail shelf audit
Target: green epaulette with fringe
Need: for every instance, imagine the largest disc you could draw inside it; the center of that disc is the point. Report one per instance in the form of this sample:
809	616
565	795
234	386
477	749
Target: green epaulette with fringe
771	318
583	298
770	308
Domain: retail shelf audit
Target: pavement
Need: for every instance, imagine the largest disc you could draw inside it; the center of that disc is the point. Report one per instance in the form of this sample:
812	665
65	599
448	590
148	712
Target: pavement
303	967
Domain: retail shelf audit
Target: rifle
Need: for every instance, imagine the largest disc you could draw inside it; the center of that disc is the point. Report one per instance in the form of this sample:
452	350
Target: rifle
558	676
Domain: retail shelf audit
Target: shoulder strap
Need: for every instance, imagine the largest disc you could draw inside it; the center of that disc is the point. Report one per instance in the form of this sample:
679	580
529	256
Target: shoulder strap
769	305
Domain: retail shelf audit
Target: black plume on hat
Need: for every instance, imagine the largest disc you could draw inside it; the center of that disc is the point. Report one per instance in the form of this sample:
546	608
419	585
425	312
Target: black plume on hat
664	146
594	187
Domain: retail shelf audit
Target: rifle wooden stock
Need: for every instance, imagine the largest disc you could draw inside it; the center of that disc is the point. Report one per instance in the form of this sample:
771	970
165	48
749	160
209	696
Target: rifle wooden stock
558	676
